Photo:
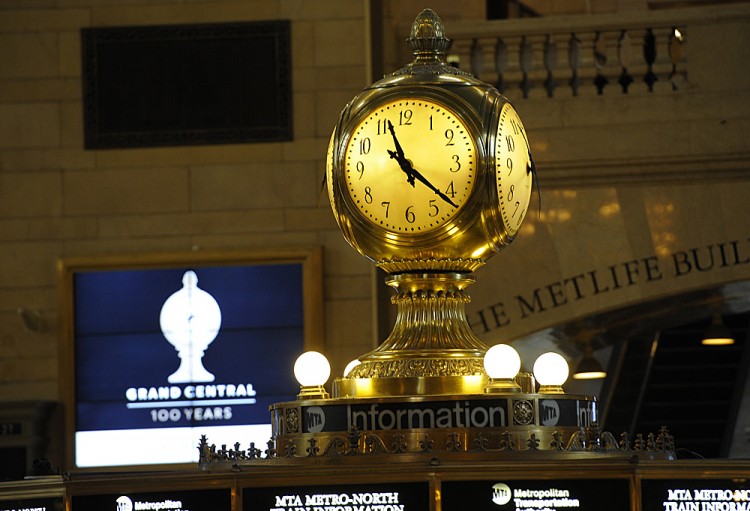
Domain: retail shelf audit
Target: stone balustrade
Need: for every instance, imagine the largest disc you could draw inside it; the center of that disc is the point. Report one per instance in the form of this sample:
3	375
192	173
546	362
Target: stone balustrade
624	53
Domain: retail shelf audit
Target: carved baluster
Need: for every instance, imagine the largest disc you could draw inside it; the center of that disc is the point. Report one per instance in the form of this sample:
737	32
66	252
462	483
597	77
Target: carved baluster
525	60
477	64
574	60
676	43
600	60
649	54
501	63
624	55
550	62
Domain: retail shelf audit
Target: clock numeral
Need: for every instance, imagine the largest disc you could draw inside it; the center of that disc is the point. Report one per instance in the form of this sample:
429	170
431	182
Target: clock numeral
430	123
404	117
511	192
382	126
514	126
509	164
368	195
434	208
449	137
387	206
364	145
518	204
361	169
450	191
458	164
511	143
410	216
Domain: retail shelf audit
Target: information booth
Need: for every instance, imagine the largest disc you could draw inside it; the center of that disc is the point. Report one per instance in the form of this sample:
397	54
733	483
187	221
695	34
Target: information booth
415	483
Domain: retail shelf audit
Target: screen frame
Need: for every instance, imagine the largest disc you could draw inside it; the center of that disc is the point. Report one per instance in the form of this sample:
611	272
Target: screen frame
310	260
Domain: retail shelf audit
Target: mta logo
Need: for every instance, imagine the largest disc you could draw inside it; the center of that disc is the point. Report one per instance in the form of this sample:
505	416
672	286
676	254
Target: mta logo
315	419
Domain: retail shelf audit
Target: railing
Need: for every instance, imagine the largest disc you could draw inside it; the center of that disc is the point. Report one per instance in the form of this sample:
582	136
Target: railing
634	52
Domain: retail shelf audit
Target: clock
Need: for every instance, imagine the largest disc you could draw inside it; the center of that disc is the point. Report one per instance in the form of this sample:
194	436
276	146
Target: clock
429	169
409	165
514	169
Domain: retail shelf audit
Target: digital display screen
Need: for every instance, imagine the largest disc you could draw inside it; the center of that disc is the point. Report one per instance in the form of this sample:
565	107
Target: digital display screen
549	495
380	497
695	494
182	500
163	356
35	504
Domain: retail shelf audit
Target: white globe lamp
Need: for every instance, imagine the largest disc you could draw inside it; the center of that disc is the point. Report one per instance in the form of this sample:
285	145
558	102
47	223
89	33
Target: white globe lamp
502	363
551	371
312	370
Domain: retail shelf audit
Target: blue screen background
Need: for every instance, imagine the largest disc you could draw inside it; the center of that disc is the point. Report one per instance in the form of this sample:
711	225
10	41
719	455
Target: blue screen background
119	343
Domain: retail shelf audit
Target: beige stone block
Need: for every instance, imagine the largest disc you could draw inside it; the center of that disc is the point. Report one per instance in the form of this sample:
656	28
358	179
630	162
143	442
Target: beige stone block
348	287
44	298
71	124
187	224
29	264
44	20
30	391
339	42
305	219
602	143
45	159
719	136
30	194
305	113
303	81
136	190
321	9
233	187
329	106
39	90
340	258
349	331
29	125
183	13
41	229
303	46
135	246
268	241
28	55
70	53
341	77
189	155
306	149
713	63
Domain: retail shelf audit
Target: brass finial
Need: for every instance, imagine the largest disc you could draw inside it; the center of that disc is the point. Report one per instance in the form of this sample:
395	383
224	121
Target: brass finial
427	33
429	44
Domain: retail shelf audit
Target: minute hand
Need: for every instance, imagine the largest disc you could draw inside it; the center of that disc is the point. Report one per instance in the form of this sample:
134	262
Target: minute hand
414	173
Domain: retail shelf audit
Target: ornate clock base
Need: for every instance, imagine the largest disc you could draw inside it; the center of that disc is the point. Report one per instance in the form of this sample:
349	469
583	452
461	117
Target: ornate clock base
431	350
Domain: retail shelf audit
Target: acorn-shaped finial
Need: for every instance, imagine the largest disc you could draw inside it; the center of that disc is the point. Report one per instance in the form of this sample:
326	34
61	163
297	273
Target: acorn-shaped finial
427	33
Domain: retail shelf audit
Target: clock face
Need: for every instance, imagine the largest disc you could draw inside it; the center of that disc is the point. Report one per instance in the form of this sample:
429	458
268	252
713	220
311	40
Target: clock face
513	169
410	165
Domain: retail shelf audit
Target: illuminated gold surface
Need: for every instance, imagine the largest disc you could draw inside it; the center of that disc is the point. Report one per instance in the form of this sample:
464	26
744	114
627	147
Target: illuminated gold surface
462	237
431	350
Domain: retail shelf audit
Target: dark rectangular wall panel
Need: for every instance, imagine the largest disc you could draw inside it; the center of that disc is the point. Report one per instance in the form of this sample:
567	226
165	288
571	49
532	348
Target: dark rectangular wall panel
169	85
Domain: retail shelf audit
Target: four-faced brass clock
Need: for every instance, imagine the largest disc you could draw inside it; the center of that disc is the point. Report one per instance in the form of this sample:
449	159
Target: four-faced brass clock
409	165
429	169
